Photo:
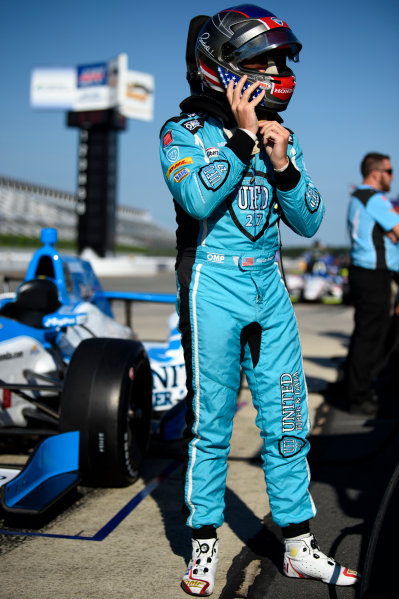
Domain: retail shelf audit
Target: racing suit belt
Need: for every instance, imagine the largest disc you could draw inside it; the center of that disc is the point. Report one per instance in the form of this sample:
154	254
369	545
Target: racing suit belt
253	259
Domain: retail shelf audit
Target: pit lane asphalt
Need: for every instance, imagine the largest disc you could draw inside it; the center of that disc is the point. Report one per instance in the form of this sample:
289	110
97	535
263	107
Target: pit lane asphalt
131	543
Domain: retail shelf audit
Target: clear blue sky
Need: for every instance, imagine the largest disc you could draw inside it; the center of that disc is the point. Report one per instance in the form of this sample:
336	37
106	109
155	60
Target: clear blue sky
345	103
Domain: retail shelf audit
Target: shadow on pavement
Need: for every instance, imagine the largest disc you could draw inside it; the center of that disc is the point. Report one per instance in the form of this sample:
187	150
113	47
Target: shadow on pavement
352	462
357	457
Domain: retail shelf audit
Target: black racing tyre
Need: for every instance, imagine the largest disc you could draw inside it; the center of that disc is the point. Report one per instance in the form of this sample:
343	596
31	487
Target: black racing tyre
381	551
107	397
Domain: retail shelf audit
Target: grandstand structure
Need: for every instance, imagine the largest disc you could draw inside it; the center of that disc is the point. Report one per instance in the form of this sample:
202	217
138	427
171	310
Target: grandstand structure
25	208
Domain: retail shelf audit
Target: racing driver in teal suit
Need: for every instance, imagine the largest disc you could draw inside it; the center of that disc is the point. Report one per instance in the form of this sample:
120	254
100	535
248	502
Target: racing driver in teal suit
234	171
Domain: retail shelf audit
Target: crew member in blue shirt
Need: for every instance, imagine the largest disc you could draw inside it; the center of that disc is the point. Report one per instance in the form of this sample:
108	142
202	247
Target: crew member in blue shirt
373	225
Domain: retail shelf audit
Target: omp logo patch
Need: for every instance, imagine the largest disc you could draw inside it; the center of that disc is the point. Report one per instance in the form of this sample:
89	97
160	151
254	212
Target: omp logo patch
290	446
215	258
194	125
177	165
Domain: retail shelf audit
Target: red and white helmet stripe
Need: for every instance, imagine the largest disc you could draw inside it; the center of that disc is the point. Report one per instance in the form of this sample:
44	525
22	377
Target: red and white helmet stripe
210	76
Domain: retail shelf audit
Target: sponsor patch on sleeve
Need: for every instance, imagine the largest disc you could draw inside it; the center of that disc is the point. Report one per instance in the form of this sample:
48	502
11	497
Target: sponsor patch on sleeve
312	198
214	174
177	165
212	152
167	139
194	125
181	174
172	154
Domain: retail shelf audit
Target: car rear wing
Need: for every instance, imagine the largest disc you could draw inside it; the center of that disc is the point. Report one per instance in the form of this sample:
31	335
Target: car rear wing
129	297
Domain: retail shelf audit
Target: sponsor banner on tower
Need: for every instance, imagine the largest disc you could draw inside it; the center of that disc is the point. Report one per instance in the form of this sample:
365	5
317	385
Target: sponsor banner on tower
95	86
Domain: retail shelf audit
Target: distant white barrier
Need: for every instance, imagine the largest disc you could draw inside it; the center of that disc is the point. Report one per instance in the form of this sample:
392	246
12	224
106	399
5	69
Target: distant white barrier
12	261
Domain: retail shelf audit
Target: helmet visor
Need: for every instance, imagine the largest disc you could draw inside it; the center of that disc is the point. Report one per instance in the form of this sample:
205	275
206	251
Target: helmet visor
276	39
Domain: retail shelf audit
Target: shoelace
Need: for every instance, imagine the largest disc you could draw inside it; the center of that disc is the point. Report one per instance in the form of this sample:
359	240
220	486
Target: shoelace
199	568
315	546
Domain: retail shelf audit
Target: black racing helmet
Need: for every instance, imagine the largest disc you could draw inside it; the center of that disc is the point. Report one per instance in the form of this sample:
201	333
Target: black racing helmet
237	36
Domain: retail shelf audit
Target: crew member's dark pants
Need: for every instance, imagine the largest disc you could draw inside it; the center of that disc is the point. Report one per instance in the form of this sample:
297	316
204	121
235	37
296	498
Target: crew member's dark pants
371	294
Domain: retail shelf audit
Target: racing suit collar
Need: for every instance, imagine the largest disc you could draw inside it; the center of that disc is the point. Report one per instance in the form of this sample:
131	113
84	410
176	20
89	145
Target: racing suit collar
219	107
211	105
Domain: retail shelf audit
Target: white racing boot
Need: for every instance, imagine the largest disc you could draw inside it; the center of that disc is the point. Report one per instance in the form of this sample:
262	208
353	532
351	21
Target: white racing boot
303	559
200	575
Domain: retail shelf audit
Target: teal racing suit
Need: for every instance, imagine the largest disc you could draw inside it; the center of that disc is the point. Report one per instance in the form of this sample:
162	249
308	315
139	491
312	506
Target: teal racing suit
234	307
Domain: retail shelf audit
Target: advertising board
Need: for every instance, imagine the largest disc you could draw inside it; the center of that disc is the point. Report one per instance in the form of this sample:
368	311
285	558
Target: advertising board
97	86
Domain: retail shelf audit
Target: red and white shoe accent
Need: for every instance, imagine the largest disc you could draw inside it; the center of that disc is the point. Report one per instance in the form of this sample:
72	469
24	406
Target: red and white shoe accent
303	559
199	577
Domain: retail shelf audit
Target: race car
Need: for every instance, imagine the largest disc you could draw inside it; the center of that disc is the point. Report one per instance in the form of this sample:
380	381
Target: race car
325	283
69	372
325	280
